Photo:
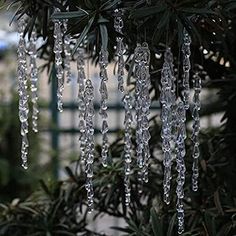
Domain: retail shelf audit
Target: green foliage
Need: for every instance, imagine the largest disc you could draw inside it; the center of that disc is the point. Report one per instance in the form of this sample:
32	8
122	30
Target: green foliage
52	210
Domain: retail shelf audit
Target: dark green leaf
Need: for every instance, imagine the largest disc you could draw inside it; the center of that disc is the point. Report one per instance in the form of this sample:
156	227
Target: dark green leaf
83	34
104	35
171	225
69	15
156	224
45	188
210	223
148	11
199	11
161	27
109	4
70	173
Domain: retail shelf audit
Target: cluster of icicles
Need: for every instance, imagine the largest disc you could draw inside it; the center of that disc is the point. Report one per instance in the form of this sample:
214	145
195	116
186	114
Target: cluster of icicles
173	113
173	117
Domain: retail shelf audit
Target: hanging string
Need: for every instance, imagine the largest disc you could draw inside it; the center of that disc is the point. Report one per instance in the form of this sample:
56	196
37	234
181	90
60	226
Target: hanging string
103	62
142	104
58	49
186	50
23	95
196	128
118	25
32	50
167	100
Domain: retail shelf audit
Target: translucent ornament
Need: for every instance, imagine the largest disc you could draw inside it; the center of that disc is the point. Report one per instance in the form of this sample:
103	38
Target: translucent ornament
142	104
86	125
89	139
127	101
32	50
81	101
196	128
120	48
103	62
186	50
58	50
168	118
23	95
180	162
67	52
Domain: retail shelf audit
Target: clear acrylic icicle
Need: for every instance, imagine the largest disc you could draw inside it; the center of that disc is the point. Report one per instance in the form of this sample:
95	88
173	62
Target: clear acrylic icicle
127	101
180	162
186	50
118	25
81	101
23	95
67	52
142	104
167	100
103	62
86	125
90	146
196	128
58	49
32	50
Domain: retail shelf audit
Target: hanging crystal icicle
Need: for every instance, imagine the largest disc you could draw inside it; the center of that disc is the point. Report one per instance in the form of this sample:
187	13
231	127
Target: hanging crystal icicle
90	146
32	50
127	100
142	104
186	67
118	25
86	125
23	96
103	62
81	101
167	100
196	128
180	163
67	51
58	49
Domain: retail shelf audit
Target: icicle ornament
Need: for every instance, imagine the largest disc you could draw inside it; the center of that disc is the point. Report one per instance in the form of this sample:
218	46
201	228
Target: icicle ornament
32	50
67	51
196	128
127	100
167	100
58	49
186	50
86	125
81	101
142	104
180	162
103	62
90	146
23	95
118	25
